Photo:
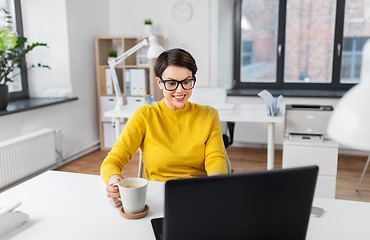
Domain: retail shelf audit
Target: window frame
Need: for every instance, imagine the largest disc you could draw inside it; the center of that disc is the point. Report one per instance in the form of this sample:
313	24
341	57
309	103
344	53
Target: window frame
24	93
334	85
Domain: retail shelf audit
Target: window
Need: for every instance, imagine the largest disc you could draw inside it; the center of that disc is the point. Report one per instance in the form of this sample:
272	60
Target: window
355	33
300	44
352	59
259	39
19	88
309	41
247	53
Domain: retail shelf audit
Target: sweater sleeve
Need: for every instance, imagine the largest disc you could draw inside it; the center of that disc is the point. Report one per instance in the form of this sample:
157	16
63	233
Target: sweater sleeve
125	147
215	159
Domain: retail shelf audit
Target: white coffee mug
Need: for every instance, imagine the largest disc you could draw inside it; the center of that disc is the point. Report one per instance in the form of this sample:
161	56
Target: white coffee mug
133	194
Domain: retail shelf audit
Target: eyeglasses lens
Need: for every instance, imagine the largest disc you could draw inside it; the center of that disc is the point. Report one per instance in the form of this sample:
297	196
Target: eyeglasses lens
186	84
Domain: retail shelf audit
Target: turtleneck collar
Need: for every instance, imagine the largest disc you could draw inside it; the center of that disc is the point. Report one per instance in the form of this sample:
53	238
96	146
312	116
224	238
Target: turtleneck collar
163	105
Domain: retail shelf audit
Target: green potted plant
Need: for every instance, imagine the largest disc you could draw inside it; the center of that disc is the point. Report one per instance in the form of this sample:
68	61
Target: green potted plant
148	26
112	54
13	49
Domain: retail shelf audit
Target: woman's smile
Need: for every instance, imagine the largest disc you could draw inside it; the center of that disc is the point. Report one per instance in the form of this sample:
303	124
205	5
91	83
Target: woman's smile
179	98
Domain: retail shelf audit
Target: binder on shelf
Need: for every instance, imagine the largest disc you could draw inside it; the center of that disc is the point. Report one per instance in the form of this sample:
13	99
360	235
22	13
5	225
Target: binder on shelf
127	81
108	82
133	83
141	81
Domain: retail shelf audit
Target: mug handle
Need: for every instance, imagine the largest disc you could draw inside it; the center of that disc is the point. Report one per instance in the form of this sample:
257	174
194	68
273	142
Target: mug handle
116	184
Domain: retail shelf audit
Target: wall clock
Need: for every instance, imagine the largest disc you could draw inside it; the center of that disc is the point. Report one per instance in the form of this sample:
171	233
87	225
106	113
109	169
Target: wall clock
182	11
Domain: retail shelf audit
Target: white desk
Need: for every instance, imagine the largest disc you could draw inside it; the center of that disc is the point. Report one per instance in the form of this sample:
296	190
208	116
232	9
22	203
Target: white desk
241	113
73	206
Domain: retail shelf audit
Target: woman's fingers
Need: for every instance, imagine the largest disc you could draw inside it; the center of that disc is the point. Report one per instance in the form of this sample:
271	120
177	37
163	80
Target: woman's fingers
114	201
111	189
113	194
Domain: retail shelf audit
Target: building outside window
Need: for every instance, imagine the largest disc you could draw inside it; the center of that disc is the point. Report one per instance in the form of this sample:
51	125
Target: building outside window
309	41
352	59
300	44
247	53
259	30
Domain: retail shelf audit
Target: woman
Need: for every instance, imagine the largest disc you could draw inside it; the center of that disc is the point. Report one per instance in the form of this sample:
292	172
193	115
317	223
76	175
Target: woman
178	139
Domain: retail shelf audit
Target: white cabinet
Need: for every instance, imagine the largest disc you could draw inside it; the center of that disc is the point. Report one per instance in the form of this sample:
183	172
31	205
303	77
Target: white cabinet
107	103
108	134
297	153
108	130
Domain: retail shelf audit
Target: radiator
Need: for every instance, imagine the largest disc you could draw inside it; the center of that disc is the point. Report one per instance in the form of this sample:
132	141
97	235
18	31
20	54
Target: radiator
23	156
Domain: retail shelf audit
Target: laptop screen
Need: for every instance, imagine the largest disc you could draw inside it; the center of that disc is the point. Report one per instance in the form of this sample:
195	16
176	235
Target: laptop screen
272	204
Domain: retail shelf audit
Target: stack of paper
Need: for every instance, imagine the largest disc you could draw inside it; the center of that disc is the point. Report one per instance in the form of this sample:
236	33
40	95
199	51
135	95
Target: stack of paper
272	104
9	219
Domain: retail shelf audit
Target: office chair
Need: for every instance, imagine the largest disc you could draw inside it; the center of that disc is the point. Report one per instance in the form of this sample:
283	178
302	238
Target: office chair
228	140
141	174
363	174
215	95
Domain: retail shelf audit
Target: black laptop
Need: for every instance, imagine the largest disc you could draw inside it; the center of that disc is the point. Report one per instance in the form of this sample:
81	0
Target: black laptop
272	204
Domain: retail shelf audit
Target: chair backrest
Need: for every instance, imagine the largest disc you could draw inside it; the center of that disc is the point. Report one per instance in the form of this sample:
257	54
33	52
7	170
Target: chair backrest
141	173
208	95
212	96
140	170
228	163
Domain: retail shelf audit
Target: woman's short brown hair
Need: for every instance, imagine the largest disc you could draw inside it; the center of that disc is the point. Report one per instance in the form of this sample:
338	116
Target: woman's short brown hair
176	57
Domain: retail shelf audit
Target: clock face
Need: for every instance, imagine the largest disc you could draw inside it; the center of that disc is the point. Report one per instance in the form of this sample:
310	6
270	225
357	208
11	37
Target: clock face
182	11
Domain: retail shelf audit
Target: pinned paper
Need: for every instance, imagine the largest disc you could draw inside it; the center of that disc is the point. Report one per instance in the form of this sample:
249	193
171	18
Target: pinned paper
272	104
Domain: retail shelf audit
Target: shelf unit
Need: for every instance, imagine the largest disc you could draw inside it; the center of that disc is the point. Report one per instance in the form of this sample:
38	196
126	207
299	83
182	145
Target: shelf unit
106	99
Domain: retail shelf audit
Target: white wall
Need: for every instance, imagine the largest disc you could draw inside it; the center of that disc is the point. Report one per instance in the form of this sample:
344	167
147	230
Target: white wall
207	35
127	17
225	43
47	24
69	27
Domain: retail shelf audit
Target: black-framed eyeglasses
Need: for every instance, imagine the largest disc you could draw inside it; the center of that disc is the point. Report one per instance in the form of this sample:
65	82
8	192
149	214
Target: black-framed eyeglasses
172	85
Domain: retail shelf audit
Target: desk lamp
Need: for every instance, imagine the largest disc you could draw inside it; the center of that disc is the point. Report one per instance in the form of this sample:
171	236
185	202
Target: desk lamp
350	122
153	51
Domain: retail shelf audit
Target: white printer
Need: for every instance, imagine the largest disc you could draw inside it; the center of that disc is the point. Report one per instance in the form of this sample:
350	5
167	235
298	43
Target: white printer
306	143
307	120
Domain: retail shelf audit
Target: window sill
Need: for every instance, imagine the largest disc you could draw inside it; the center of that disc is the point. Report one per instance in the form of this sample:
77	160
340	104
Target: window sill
287	92
33	103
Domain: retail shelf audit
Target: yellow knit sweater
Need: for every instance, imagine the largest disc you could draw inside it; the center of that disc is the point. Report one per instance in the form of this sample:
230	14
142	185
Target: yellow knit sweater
175	143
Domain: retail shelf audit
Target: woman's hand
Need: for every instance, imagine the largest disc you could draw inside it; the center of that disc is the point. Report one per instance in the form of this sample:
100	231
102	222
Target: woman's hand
112	191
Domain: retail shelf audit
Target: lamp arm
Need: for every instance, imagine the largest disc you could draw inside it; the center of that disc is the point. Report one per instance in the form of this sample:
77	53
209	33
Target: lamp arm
130	52
115	83
113	63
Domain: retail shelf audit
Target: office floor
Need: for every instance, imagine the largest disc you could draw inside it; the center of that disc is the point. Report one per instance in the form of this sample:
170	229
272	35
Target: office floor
249	159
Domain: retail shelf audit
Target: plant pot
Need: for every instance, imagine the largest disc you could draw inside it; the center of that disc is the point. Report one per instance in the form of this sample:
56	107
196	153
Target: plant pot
4	97
111	58
148	29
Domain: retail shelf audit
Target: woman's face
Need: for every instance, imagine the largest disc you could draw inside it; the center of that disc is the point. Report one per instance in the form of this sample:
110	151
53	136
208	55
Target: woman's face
175	99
